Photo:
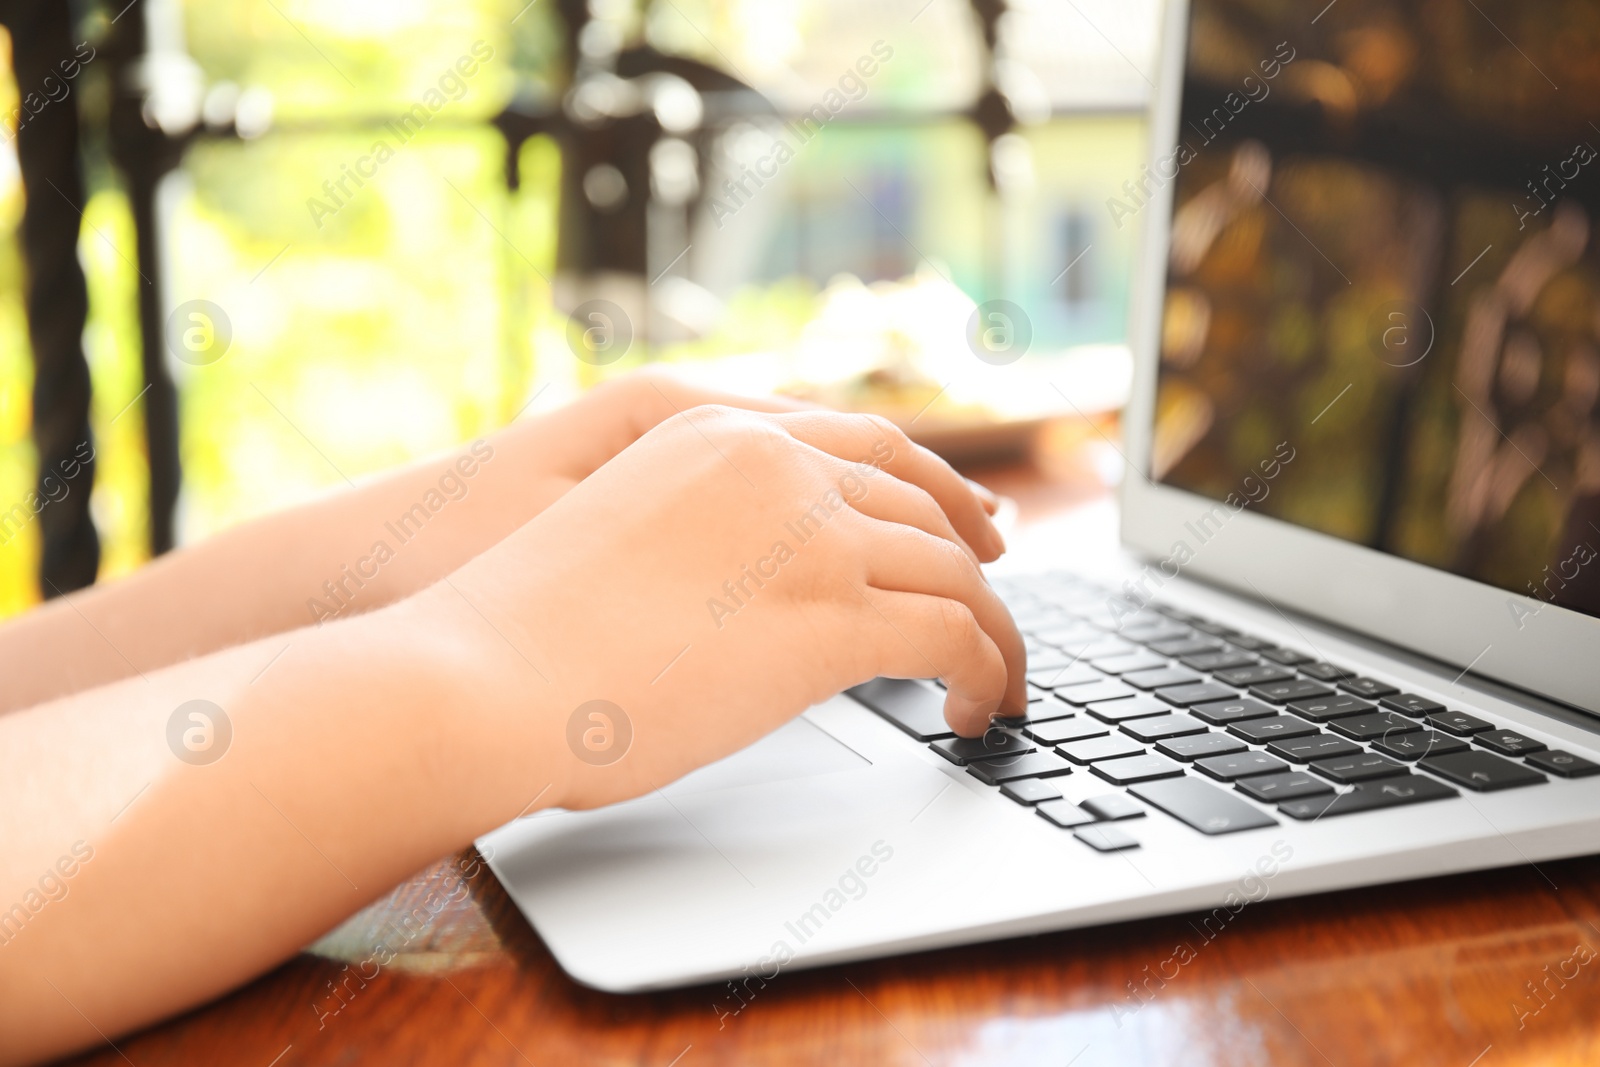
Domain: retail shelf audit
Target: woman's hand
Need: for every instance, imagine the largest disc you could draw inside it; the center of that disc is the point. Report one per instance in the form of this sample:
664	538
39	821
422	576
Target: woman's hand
337	556
574	441
722	574
718	576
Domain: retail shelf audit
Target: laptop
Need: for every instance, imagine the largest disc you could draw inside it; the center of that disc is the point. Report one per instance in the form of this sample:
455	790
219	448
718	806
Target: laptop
1353	636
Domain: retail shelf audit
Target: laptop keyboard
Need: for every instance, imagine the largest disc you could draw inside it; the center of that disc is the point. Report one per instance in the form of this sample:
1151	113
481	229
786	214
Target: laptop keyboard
1218	728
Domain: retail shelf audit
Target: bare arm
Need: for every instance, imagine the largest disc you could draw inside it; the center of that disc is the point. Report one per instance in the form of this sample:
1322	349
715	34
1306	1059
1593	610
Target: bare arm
139	879
342	555
135	883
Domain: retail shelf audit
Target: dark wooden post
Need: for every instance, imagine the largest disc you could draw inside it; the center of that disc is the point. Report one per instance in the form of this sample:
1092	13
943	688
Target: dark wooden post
58	300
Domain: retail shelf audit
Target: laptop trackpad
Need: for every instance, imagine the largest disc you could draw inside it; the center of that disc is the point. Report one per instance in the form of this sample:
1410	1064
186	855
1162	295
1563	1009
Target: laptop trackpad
798	749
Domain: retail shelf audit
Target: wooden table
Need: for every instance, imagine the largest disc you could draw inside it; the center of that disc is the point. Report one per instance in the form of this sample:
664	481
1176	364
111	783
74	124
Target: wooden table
1482	970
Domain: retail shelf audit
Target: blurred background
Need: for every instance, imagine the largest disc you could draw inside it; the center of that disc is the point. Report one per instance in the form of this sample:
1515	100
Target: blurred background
320	237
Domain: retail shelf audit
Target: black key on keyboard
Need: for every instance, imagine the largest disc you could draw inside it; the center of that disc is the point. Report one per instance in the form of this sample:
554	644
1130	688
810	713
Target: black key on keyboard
1110	807
1316	746
1561	763
912	706
1177	615
1374	725
1040	623
1163	727
992	745
1256	674
1459	723
1337	706
1197	746
1286	656
1260	731
1062	636
1185	646
1091	749
1202	693
1144	617
1323	672
1360	767
1508	742
1079	695
1130	662
1130	708
1056	677
1222	712
1411	704
1218	661
1104	838
1165	630
1387	793
1272	788
1158	679
1045	710
1050	659
1101	647
1056	731
1010	768
1136	769
1240	765
1248	643
1481	771
1294	689
1064	813
1062	633
1030	791
1203	806
1367	687
1415	746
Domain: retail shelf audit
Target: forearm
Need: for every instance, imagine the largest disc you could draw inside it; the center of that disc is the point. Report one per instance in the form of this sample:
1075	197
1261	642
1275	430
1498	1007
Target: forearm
342	555
376	745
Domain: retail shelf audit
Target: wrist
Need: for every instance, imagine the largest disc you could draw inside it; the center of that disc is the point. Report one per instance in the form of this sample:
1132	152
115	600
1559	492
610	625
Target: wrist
486	709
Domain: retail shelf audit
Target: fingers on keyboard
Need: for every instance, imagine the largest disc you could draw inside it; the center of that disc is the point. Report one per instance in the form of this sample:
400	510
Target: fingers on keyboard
1147	698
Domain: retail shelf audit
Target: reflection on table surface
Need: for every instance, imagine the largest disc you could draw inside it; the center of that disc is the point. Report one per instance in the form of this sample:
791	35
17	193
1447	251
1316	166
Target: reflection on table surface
1492	968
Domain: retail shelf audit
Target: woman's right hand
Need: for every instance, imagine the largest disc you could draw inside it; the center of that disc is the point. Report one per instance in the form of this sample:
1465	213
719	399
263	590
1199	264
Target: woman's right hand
719	576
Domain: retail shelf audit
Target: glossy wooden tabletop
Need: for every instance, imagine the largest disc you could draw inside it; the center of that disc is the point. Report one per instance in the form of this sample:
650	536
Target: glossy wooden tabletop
1490	969
1480	970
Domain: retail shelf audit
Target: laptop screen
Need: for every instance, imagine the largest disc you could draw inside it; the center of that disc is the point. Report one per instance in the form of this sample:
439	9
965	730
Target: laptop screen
1382	318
